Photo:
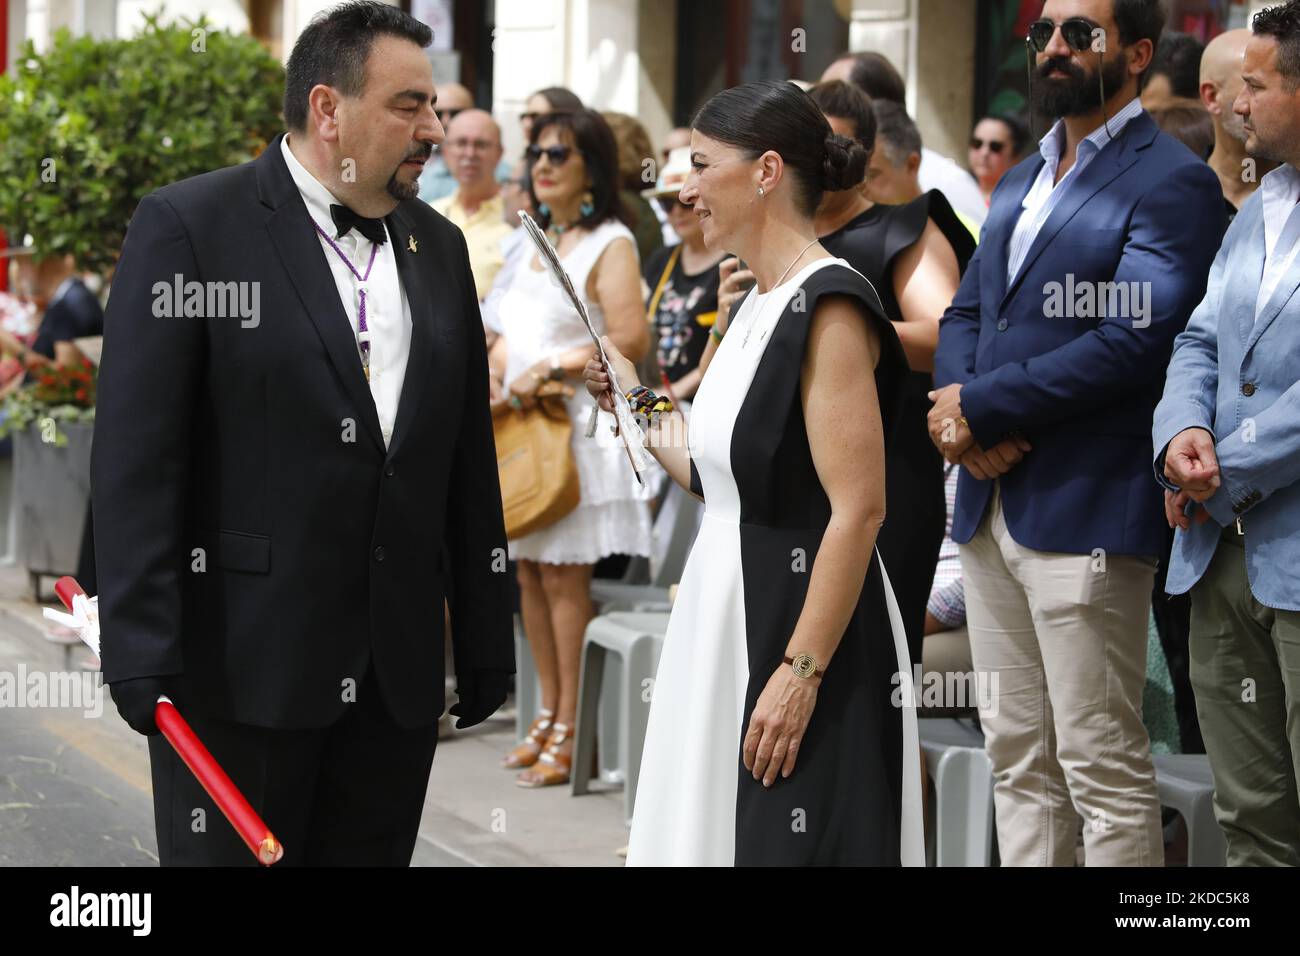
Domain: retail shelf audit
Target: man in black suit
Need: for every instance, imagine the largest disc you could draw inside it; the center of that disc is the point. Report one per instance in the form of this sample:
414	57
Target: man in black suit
293	467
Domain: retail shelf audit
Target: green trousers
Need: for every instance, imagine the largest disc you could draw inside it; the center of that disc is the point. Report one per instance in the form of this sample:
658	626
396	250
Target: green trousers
1245	671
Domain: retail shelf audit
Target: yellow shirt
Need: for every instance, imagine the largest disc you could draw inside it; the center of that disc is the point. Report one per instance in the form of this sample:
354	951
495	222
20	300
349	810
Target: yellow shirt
483	234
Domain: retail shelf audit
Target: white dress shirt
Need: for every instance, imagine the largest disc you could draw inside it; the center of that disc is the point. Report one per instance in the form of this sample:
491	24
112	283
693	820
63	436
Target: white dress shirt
1281	190
388	314
1046	193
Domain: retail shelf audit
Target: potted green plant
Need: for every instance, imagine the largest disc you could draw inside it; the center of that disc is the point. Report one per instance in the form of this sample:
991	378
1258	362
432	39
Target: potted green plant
87	129
51	420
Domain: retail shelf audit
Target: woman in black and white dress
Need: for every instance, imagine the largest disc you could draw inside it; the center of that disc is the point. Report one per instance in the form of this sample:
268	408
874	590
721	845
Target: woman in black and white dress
777	734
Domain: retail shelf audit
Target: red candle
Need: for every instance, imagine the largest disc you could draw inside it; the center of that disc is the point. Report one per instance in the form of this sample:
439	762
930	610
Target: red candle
255	834
219	786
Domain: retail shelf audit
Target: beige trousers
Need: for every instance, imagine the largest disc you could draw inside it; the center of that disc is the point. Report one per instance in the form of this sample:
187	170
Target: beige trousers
1064	636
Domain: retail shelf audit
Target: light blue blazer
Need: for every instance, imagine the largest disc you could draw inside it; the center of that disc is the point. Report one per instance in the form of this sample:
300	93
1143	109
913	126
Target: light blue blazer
1239	378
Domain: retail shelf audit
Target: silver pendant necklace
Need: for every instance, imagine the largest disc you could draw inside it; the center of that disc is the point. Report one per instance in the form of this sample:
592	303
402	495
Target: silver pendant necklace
749	331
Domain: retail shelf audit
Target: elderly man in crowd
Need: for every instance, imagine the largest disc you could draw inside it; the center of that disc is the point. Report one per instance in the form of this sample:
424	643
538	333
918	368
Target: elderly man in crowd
472	150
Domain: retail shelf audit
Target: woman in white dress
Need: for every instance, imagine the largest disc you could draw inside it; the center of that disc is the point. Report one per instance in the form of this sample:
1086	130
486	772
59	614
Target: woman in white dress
776	732
573	168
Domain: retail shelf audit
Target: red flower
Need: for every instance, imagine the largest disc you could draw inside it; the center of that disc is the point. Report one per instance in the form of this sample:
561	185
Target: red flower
87	364
47	379
80	394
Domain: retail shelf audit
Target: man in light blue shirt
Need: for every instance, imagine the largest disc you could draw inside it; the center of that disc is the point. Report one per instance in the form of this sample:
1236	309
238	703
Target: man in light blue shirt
1226	439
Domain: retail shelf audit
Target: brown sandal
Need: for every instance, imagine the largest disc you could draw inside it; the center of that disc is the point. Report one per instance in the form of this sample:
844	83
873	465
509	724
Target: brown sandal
531	747
555	763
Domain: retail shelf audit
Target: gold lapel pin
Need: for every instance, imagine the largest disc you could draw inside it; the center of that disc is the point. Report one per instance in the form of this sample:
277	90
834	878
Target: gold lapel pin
412	244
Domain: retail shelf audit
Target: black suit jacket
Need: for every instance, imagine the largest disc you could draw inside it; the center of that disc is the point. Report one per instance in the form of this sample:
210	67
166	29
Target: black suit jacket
243	541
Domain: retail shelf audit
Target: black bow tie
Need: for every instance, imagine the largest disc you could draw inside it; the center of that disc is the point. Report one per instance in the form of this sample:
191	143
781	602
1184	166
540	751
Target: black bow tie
345	219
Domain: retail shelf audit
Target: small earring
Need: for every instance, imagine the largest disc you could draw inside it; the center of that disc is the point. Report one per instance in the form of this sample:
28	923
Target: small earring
760	190
588	205
544	210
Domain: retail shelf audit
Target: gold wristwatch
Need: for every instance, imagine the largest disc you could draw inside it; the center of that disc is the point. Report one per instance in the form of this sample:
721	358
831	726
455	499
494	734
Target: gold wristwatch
805	666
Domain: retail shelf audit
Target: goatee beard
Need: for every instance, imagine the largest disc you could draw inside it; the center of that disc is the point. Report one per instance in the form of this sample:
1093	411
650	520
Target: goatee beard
403	191
1080	93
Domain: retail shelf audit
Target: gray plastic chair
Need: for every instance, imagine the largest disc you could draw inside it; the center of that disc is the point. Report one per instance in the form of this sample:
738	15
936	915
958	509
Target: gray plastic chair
1185	784
676	523
528	693
963	791
636	640
678	519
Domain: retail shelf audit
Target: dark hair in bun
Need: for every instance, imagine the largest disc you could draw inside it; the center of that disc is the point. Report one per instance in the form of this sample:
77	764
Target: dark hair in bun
777	115
846	163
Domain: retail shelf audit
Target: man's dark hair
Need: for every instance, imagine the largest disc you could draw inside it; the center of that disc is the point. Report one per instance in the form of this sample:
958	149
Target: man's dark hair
1141	20
1178	56
846	102
334	48
594	140
1282	23
876	76
896	133
1190	125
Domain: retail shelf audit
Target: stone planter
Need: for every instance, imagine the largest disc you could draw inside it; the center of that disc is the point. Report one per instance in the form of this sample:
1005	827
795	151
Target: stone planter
51	491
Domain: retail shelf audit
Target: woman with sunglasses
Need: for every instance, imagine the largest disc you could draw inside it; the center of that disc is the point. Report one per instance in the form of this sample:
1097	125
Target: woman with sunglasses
553	99
995	147
682	280
573	177
774	735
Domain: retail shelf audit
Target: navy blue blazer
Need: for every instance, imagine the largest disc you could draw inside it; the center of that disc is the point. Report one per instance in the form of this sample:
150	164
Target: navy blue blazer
1074	365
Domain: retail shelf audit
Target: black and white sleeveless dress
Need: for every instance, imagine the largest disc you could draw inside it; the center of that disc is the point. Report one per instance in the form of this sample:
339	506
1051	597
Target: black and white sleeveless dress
854	795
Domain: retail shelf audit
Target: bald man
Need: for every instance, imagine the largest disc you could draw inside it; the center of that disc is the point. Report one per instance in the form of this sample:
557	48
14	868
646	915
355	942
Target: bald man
437	182
472	151
1220	83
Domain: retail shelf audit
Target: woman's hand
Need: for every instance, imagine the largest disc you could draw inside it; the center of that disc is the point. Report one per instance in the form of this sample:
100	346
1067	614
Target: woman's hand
598	380
525	386
778	723
735	282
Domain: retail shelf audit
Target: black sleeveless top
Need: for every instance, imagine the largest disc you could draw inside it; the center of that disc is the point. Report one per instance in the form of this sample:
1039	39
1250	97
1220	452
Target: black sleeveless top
916	510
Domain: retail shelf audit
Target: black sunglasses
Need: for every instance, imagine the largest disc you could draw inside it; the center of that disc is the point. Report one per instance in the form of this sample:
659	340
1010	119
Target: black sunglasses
1077	33
557	155
995	146
669	203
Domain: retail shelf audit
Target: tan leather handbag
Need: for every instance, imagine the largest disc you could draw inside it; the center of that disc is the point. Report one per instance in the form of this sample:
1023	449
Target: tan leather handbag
539	477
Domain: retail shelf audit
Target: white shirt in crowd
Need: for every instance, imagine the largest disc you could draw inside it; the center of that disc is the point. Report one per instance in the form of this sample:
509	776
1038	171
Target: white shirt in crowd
388	314
1280	190
958	186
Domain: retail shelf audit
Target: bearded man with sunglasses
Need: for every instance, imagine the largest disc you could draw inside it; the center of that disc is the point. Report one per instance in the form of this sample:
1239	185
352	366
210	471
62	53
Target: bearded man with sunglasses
1095	251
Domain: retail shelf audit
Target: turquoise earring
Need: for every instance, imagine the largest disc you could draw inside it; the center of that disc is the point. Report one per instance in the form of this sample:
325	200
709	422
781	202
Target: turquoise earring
544	211
588	204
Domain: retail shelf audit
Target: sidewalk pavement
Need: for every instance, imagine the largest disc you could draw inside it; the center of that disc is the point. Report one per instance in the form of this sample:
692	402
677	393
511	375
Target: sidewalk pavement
75	790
